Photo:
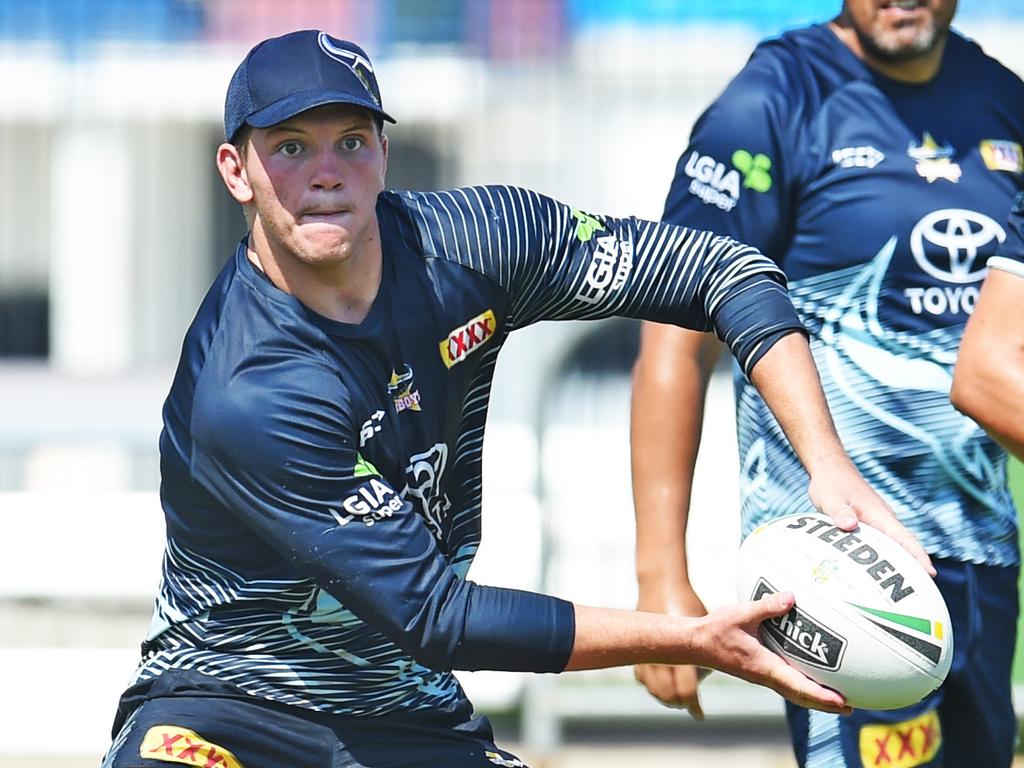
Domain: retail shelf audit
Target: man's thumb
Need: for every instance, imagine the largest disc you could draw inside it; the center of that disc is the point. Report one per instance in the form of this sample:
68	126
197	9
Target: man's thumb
773	605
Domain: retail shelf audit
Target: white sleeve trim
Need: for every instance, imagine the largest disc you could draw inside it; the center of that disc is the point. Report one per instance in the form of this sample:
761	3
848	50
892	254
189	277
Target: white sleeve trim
1007	265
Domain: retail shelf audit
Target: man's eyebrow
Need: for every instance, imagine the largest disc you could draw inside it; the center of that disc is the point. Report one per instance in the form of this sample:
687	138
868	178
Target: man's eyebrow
346	127
283	128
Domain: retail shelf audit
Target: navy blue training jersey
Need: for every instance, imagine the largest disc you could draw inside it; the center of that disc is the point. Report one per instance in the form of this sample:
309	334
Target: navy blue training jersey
882	202
321	480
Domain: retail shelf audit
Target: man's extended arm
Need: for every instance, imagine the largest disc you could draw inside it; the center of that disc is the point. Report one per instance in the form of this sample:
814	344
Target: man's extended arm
280	455
988	381
725	639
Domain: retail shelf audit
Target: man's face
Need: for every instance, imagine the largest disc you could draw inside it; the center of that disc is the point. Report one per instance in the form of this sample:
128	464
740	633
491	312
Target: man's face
315	179
896	30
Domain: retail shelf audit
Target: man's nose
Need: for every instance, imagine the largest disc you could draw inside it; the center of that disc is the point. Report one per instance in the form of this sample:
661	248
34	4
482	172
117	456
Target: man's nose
327	171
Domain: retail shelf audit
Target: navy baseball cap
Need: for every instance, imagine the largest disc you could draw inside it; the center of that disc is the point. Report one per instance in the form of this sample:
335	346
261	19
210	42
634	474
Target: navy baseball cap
286	75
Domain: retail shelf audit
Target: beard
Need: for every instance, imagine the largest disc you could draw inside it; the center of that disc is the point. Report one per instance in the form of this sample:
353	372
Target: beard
891	45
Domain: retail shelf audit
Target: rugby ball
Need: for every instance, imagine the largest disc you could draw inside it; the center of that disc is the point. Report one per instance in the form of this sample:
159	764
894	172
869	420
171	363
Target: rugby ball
868	621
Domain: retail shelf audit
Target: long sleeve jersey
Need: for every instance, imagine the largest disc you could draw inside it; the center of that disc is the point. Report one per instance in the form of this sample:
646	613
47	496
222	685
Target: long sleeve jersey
322	481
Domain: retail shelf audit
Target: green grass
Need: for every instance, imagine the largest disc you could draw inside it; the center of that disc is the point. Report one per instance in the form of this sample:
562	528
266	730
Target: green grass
1017	488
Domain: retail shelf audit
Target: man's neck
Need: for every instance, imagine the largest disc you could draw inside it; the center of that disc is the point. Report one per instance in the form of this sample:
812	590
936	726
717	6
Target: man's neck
916	69
342	291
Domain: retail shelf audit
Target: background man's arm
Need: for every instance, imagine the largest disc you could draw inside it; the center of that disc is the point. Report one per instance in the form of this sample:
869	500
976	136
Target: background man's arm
754	112
988	381
670	381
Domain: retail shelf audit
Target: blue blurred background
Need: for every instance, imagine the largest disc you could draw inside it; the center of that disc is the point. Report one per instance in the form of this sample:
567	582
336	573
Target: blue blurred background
113	221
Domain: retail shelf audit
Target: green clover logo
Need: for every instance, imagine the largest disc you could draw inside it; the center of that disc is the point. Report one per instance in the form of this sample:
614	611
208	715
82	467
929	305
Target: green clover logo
586	225
755	170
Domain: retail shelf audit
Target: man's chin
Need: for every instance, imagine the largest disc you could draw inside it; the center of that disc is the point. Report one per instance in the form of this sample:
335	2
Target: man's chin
320	235
325	244
902	45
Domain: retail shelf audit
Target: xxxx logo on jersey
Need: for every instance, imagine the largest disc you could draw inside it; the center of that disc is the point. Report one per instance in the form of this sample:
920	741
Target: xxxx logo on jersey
468	338
901	745
172	744
1002	155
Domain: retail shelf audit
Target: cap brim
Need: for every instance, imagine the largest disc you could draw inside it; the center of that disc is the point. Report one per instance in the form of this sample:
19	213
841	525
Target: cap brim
292	105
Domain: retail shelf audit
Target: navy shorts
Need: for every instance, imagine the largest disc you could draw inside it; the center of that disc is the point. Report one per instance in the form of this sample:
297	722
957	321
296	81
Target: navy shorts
968	721
183	718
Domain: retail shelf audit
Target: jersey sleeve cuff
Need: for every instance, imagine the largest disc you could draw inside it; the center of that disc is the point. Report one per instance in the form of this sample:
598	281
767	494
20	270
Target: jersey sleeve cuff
1006	264
515	631
754	318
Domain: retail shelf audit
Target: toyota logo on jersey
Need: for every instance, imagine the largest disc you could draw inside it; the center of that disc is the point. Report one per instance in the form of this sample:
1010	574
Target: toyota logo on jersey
953	244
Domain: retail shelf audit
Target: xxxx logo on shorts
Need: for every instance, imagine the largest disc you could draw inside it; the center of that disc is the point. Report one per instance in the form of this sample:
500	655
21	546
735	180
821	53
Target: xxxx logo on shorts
173	744
901	745
504	762
468	338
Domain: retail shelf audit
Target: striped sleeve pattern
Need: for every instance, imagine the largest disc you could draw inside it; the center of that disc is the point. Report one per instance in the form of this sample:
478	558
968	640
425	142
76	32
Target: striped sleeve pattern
557	263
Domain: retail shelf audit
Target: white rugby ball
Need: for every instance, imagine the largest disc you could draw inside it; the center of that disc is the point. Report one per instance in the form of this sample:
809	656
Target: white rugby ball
868	619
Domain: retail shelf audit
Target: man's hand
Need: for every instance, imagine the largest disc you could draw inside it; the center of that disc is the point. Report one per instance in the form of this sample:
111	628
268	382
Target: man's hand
673	685
838	490
727	639
788	381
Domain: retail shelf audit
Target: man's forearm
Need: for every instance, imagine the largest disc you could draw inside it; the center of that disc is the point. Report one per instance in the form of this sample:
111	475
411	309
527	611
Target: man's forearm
788	380
725	639
669	383
988	381
608	637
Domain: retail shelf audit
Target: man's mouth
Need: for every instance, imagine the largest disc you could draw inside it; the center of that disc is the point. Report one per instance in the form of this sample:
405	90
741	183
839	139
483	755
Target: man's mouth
902	5
322	215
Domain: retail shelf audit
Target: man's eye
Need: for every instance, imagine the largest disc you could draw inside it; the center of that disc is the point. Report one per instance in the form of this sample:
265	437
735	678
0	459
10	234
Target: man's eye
290	148
351	143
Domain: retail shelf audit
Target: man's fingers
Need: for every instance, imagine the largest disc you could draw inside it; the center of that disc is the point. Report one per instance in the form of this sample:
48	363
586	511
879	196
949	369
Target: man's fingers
845	497
769	606
801	690
673	686
685	681
658	680
787	680
881	517
894	529
843	515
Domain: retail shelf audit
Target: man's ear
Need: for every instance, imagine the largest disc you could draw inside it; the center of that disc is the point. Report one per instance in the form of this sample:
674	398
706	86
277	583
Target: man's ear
232	171
384	147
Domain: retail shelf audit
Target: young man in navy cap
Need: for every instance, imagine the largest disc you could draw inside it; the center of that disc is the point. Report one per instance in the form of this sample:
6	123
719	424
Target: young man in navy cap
321	449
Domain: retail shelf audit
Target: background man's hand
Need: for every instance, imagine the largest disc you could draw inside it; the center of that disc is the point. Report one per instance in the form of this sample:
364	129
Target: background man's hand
674	685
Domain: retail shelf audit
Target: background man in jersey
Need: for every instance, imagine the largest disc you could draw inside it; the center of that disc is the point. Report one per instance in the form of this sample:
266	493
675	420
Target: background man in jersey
321	450
988	381
873	158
